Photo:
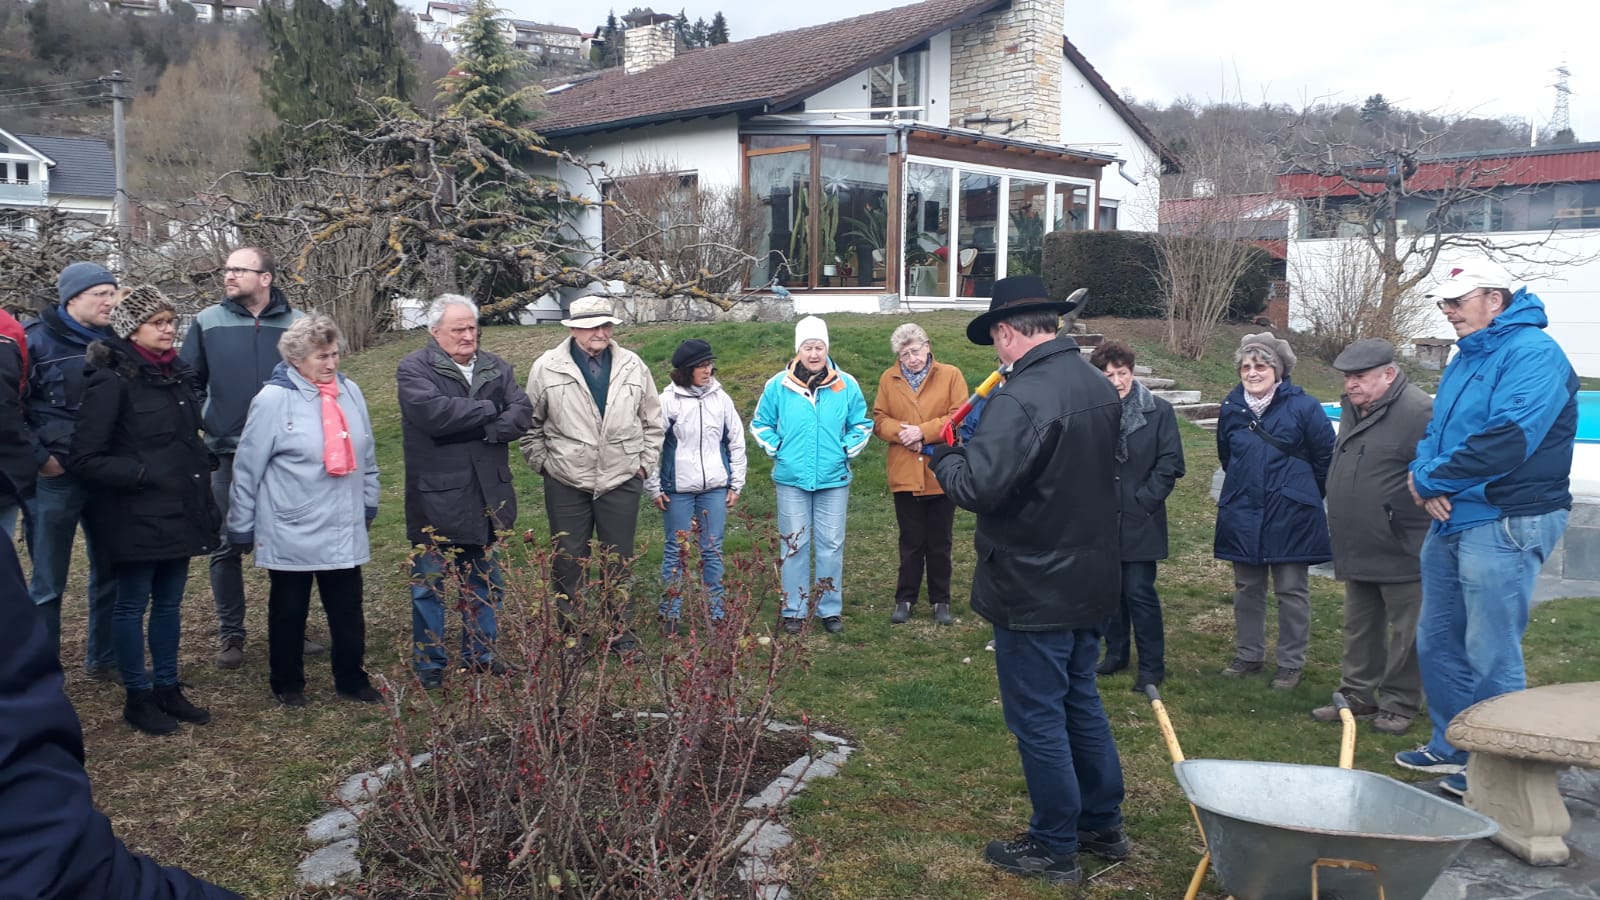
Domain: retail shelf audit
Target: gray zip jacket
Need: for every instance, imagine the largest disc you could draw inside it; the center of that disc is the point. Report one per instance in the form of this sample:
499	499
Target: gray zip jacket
704	449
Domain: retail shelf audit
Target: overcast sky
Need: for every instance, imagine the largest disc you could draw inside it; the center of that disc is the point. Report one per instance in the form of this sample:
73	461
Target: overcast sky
1475	57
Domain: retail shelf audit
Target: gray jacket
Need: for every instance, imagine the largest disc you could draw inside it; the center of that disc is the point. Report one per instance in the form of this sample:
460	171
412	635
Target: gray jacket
1376	529
300	518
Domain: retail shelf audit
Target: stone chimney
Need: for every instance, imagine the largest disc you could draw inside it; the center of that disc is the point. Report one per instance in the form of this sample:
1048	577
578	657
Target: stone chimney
648	46
1006	65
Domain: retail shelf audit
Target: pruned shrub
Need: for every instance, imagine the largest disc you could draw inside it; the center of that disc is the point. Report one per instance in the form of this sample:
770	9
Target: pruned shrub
1123	270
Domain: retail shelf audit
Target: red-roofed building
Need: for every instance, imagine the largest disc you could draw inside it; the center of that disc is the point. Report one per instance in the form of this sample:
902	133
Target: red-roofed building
944	138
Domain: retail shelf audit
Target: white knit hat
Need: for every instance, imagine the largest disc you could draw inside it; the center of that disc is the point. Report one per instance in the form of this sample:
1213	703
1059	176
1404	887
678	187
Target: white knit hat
810	328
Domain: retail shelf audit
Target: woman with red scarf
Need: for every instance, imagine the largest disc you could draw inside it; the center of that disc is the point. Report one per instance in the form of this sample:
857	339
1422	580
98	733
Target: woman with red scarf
305	491
138	445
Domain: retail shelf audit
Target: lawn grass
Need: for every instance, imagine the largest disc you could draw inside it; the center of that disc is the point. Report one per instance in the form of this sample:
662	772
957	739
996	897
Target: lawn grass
937	773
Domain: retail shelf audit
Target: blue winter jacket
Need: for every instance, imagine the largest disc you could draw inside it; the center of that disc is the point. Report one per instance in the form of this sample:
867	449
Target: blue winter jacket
812	435
1500	443
57	356
1270	510
54	845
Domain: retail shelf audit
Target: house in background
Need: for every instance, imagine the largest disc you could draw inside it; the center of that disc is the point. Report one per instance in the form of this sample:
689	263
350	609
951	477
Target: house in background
911	156
75	175
225	10
1260	219
1538	209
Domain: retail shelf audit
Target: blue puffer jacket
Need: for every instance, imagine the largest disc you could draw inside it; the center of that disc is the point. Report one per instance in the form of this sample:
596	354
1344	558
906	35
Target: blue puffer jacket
58	354
812	434
1500	443
1271	505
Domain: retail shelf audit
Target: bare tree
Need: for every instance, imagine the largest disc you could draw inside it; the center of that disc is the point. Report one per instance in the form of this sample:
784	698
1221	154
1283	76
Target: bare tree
1339	299
658	214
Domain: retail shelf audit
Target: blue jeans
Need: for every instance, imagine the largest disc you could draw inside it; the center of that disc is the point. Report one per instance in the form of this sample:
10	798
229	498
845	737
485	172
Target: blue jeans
1069	758
1140	611
157	586
708	509
1477	588
53	516
8	520
482	583
808	519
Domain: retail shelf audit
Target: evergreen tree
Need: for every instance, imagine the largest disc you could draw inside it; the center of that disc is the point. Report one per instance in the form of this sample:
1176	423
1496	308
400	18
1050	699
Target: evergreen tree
611	53
490	79
701	33
718	33
1376	108
684	31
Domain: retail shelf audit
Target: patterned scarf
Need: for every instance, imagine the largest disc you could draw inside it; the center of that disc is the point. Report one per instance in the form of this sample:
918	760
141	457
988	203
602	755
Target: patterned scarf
338	454
1258	405
915	379
1138	402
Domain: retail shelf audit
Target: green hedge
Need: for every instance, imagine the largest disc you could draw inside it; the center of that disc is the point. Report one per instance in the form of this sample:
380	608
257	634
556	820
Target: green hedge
1119	269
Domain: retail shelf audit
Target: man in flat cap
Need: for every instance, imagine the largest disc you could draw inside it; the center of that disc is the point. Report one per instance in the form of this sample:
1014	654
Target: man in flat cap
1493	472
1042	476
1377	533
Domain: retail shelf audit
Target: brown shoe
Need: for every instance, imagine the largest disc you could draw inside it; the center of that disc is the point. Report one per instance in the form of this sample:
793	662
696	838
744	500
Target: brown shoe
1330	713
1391	723
1242	667
231	656
1286	679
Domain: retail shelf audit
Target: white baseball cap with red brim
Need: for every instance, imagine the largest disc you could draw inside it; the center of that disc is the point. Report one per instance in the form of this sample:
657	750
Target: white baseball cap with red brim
1465	278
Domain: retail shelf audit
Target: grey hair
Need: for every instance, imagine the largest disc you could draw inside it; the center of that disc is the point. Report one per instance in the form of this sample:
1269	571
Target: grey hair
445	301
308	334
907	335
1260	354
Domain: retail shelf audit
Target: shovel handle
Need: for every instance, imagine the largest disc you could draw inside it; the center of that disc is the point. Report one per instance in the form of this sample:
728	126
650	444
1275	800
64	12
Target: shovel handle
1347	739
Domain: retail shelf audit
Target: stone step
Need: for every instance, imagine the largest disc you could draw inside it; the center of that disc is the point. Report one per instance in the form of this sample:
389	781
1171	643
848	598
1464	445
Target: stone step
1178	397
1139	370
1156	384
1089	341
1207	424
1196	411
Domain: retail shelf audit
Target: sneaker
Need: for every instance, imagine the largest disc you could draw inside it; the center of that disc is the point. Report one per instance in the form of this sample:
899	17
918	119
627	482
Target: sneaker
989	646
291	699
941	614
431	679
1025	856
833	624
1330	713
793	624
1111	844
312	648
901	614
172	702
1455	785
364	694
1109	666
1286	679
1242	667
1391	723
102	674
143	713
1424	760
231	656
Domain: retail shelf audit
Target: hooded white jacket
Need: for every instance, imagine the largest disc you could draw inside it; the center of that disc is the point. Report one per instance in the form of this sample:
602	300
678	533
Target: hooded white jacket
704	449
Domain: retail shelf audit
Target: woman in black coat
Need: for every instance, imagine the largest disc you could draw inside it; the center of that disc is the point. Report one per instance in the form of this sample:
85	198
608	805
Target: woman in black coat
1149	463
138	443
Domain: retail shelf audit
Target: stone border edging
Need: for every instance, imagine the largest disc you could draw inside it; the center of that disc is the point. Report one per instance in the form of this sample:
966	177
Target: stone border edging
763	836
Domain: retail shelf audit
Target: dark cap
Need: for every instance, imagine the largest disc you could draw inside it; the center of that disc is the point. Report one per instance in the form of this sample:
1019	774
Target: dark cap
1367	353
691	353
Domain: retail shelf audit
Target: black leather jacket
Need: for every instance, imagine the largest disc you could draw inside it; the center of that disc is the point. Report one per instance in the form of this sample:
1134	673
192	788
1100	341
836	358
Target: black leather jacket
1041	473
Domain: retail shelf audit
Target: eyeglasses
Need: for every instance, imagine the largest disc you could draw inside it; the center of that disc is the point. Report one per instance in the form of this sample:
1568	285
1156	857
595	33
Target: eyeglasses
913	352
163	324
1456	302
241	270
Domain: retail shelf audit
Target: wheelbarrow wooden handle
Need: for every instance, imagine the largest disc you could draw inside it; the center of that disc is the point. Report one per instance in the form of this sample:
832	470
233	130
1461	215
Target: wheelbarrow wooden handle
1170	735
1347	740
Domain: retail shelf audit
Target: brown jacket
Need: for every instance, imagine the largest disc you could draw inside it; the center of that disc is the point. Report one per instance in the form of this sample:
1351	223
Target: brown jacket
942	391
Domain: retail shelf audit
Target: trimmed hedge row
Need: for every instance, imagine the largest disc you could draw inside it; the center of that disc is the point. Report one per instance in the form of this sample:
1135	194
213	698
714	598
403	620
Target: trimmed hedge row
1120	270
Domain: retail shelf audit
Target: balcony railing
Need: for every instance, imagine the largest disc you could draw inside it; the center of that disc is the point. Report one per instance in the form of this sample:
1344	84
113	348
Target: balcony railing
24	194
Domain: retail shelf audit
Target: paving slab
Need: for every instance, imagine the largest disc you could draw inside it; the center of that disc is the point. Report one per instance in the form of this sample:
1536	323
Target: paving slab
1484	871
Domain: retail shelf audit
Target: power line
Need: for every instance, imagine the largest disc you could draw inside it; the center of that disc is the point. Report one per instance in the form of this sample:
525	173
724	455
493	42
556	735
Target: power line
62	101
51	88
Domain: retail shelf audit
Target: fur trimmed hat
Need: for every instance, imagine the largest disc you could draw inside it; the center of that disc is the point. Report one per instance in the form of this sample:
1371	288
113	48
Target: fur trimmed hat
138	306
1274	350
810	328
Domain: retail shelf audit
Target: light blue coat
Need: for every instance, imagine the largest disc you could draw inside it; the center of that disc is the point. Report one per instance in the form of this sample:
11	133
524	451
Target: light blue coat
300	518
812	437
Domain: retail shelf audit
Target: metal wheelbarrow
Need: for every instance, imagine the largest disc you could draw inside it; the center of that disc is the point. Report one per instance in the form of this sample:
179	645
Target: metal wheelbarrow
1279	831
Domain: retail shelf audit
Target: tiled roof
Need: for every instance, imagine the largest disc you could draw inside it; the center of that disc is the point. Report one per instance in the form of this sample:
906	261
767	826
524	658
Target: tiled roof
84	166
768	73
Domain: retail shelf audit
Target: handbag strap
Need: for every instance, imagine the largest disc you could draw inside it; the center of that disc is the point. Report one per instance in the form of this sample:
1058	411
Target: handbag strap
1259	431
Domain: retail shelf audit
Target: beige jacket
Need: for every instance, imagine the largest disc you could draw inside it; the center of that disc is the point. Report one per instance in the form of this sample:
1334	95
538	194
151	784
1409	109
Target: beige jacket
569	442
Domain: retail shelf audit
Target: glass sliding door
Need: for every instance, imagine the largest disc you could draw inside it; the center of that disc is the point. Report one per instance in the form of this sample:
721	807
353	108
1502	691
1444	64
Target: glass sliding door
780	181
927	226
853	212
1025	205
976	235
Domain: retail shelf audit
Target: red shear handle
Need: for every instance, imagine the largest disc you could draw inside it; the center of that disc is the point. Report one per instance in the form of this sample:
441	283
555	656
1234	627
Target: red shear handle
948	432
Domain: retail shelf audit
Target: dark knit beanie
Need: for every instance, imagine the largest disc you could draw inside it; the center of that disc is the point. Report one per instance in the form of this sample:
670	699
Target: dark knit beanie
691	353
142	304
81	276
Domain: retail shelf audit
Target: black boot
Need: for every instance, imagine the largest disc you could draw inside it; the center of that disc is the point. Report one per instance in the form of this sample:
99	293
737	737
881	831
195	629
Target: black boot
142	712
172	702
941	614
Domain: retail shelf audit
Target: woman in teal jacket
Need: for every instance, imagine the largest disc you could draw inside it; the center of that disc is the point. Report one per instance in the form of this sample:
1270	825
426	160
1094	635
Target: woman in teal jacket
812	420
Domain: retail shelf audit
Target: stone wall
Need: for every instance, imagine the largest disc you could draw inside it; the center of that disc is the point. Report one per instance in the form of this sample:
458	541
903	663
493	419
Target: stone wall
1007	64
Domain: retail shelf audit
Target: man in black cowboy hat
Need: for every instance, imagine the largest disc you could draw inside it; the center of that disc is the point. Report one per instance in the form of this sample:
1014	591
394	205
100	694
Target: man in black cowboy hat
1041	475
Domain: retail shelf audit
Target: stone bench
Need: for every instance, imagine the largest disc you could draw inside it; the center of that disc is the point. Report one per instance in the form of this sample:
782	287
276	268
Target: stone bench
1519	743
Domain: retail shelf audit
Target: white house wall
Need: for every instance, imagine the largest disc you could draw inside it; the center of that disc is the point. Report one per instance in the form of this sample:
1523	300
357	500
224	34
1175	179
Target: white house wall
1571	292
855	92
1088	122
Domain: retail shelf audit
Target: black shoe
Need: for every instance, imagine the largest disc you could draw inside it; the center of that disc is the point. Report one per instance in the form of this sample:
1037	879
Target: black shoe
671	626
941	614
292	699
364	694
312	648
1109	666
172	702
624	643
1025	856
431	679
793	624
102	674
833	624
1140	682
488	667
1111	844
901	614
142	712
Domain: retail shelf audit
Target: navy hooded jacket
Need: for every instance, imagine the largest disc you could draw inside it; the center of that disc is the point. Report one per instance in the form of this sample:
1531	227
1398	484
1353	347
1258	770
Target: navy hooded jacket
54	845
1500	443
1270	510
